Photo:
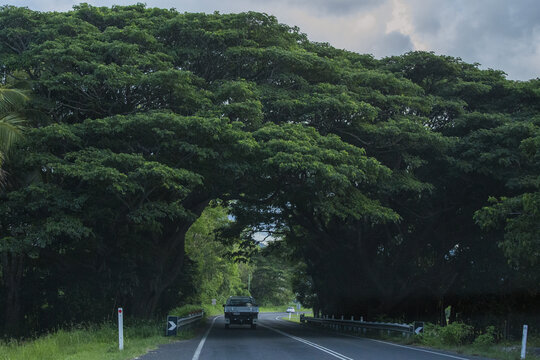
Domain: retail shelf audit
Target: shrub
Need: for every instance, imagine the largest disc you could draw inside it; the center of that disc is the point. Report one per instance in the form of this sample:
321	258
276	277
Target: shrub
486	339
453	334
430	335
456	334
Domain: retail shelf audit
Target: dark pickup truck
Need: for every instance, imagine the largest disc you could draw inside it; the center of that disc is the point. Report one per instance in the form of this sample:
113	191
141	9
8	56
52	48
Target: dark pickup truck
241	310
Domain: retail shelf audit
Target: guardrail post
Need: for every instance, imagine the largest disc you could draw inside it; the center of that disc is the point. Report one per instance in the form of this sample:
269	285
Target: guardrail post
352	318
120	329
524	342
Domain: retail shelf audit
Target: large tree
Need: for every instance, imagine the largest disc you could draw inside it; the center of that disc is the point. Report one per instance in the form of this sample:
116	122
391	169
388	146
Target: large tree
371	170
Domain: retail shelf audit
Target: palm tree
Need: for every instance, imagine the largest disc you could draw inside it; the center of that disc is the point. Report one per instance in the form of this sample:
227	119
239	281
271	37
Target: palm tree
11	122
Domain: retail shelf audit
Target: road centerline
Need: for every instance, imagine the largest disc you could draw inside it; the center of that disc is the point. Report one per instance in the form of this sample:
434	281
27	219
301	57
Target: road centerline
434	352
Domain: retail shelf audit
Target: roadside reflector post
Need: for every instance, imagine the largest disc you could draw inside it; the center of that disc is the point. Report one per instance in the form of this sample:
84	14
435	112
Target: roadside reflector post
524	342
120	329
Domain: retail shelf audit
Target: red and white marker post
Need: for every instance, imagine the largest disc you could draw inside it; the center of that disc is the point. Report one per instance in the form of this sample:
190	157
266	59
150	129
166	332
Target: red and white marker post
120	329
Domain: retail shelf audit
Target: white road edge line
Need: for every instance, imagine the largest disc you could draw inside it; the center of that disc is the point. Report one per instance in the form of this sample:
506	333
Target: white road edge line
316	346
201	344
422	350
406	347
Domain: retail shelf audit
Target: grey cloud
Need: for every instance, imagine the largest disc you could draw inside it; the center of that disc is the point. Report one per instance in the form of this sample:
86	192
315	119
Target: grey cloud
393	43
503	35
337	7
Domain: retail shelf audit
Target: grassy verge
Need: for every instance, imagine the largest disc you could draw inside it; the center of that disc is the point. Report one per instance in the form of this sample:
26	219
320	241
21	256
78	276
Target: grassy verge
213	310
280	309
90	343
272	308
500	351
99	342
296	316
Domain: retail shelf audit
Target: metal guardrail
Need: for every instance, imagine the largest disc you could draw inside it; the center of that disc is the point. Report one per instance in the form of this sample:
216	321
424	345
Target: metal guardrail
175	323
191	318
357	326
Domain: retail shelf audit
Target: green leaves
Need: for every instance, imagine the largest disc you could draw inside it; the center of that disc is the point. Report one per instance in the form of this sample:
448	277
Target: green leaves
371	170
39	216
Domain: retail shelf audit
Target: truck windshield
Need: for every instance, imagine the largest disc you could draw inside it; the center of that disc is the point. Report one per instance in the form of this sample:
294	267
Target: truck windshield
241	302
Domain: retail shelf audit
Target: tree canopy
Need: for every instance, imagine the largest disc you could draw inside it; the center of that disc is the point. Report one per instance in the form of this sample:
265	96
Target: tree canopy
402	185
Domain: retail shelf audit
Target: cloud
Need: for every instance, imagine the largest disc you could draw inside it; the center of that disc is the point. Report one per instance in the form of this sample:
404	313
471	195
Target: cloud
393	43
335	7
497	34
361	31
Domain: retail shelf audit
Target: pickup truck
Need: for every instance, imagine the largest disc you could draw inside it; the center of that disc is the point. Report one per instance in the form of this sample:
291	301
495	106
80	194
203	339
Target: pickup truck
241	310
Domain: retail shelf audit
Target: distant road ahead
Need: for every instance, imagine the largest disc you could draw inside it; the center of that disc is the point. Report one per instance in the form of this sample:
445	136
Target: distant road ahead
276	339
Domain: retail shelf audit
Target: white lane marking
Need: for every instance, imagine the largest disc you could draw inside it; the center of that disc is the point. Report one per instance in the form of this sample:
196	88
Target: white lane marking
201	344
316	346
402	346
422	350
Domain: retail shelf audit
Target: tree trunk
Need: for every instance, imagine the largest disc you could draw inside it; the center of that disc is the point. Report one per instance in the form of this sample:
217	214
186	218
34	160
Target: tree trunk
442	314
167	265
12	266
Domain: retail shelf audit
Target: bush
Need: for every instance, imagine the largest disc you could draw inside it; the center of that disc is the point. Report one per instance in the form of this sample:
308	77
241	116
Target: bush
430	335
454	334
486	339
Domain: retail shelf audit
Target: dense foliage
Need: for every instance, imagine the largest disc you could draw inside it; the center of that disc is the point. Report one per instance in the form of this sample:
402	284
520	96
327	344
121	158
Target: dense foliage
404	185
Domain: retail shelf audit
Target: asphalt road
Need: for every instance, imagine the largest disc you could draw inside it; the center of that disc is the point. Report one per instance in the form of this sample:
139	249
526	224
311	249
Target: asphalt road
276	339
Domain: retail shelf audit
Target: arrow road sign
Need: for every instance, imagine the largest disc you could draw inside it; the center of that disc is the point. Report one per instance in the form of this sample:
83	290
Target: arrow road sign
172	322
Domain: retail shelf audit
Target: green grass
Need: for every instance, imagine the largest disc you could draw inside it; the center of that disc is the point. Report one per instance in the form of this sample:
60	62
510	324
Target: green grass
502	351
281	308
505	351
458	337
213	310
296	316
97	342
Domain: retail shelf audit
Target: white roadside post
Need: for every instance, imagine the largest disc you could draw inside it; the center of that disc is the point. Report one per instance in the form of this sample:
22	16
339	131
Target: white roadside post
524	342
120	329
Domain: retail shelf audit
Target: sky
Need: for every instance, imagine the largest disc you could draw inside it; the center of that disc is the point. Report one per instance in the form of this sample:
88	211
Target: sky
497	34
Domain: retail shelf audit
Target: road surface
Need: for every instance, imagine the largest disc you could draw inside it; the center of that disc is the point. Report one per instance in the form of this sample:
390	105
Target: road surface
276	339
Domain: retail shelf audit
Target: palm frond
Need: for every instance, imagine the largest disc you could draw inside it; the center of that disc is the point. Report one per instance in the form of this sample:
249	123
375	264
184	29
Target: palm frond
3	174
12	99
11	127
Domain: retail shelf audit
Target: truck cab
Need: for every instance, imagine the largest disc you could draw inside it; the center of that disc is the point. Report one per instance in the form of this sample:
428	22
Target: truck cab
242	310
